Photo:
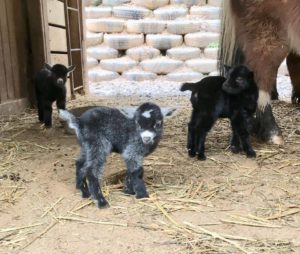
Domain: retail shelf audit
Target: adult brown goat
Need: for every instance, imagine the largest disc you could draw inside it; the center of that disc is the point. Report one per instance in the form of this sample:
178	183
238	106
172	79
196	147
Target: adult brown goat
260	34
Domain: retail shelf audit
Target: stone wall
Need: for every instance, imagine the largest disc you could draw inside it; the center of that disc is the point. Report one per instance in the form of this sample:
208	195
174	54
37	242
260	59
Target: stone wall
141	39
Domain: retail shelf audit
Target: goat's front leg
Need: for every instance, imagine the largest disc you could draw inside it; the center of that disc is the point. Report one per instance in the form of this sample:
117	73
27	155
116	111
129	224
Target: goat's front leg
61	103
134	183
235	146
138	183
128	186
239	126
48	114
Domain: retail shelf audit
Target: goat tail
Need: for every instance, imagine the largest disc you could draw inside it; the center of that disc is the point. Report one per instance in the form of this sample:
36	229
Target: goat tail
70	118
188	86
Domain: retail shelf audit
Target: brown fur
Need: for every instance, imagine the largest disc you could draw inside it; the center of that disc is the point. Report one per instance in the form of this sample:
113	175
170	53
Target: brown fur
260	34
267	30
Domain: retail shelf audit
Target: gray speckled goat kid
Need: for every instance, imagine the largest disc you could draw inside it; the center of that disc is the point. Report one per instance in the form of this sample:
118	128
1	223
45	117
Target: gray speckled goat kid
103	130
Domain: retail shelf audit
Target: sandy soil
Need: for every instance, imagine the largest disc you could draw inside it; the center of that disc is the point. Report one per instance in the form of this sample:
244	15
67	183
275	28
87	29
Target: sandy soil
226	204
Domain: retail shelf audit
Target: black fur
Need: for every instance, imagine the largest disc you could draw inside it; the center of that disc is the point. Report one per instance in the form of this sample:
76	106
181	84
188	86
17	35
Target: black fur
103	130
214	97
50	87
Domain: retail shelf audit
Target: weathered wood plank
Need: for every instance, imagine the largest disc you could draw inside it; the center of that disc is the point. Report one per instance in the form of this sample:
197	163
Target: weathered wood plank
13	21
6	50
3	90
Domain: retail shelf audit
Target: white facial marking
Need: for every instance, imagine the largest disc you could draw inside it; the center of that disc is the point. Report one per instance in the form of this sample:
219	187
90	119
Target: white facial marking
263	99
147	113
147	136
60	81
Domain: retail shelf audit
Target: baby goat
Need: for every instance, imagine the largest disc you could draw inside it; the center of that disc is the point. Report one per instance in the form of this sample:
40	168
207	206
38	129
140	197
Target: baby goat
103	130
50	87
214	97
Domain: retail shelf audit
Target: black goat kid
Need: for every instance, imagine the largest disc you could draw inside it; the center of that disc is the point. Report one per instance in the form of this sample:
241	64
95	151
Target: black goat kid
49	87
214	97
103	130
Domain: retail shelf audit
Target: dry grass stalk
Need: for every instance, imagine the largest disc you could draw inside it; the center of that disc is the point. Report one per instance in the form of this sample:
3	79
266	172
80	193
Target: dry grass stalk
216	236
253	222
51	207
284	214
82	206
40	235
165	213
19	228
192	201
91	221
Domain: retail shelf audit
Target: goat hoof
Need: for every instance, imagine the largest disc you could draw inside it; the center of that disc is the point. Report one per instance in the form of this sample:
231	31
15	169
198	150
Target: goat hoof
235	149
191	153
102	203
142	195
251	154
201	157
85	194
128	191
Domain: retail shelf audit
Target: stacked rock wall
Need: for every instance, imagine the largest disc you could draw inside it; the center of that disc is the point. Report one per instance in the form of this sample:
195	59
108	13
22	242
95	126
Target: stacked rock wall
141	39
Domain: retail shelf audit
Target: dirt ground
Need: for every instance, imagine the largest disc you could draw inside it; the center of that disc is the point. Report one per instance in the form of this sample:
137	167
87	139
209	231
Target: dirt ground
226	204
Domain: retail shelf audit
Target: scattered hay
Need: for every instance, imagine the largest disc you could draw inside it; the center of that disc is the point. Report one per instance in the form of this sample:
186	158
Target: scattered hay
177	185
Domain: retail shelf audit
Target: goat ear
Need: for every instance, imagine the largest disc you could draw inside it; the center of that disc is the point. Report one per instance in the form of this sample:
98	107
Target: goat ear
48	66
71	68
168	112
128	112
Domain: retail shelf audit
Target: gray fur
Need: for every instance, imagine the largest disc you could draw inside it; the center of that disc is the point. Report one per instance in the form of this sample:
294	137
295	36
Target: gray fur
103	130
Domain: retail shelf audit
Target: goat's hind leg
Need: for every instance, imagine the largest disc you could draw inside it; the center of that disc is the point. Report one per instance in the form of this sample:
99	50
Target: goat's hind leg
192	134
94	188
95	160
201	144
204	124
192	141
81	183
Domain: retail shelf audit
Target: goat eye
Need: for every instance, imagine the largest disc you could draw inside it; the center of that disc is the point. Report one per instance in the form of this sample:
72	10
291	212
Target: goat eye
157	124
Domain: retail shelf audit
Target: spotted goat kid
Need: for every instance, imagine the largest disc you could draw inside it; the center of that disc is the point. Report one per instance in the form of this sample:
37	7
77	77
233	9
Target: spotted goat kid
233	97
103	130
